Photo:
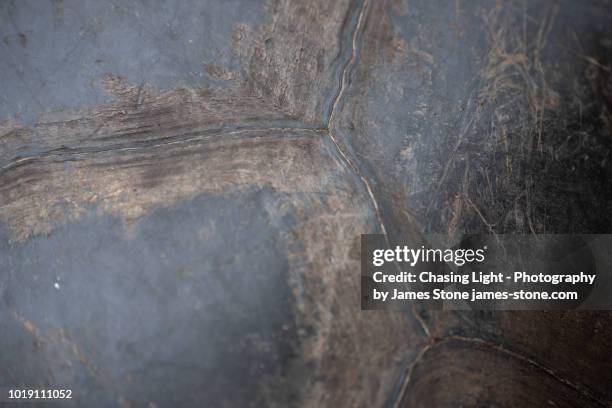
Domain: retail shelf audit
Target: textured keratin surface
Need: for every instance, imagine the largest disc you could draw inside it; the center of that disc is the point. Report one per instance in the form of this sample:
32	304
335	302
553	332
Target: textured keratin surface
183	185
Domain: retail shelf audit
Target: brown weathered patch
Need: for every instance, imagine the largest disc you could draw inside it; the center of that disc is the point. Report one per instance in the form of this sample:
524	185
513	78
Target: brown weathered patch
219	72
356	356
300	69
127	182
